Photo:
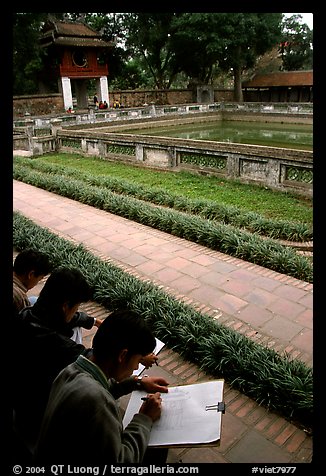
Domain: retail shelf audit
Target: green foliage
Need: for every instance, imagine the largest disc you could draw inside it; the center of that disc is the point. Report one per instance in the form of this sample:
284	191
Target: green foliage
248	35
231	40
27	55
296	47
149	37
279	383
244	197
132	75
209	209
220	237
149	48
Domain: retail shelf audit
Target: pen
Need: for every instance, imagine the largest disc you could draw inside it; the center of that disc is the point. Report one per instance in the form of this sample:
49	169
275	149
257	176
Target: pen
144	399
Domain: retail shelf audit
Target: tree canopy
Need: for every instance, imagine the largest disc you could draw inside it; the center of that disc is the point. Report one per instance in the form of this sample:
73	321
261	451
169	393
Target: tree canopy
164	50
296	45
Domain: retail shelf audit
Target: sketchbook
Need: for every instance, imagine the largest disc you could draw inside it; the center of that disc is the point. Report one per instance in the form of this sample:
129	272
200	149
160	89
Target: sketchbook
191	414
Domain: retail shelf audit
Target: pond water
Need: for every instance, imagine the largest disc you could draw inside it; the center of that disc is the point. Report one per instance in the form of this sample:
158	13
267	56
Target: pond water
290	136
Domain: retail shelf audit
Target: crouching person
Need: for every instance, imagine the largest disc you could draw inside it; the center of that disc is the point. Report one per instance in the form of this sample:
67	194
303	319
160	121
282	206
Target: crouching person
83	421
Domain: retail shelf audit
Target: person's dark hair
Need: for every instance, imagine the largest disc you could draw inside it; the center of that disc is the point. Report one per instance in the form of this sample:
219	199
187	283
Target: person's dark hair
32	260
123	329
65	285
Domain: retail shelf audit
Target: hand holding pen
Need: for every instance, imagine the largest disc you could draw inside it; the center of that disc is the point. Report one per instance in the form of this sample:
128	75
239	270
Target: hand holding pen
149	360
152	406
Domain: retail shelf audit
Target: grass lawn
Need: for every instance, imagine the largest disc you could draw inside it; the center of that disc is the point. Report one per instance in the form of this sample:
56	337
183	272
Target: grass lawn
255	198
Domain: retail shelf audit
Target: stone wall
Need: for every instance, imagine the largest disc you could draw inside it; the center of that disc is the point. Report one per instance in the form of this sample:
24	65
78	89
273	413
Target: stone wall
37	105
138	98
41	104
276	168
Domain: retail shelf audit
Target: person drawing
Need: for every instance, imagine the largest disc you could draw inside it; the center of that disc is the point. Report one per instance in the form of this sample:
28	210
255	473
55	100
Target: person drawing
82	407
29	268
42	346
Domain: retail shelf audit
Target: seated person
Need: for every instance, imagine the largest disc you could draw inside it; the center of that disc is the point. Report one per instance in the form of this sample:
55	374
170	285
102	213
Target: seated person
42	346
82	406
30	267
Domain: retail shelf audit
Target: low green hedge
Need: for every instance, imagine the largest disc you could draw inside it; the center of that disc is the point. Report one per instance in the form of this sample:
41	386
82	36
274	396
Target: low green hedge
217	236
228	215
277	382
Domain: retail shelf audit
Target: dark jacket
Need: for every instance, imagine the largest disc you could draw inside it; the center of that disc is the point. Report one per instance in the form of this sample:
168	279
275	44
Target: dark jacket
39	352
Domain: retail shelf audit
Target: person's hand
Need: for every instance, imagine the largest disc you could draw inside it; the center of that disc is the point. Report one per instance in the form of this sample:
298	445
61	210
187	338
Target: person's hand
98	322
154	384
152	407
149	360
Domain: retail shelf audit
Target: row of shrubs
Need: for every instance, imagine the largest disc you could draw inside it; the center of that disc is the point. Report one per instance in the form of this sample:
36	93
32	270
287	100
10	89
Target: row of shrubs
227	239
277	382
209	209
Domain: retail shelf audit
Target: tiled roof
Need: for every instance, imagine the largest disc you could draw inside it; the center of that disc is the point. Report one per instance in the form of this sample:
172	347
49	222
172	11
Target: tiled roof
71	34
62	28
284	78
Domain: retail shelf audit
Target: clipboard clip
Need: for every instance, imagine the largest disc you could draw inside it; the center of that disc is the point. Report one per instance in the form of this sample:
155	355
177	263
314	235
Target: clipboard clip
219	407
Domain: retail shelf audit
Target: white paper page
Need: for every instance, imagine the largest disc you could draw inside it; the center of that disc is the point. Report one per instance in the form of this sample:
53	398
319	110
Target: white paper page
184	419
158	347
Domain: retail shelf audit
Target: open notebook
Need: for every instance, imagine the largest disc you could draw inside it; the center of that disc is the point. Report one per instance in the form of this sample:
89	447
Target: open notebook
187	415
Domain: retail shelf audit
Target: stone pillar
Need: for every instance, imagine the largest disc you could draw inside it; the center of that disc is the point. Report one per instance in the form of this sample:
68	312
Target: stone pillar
103	89
66	91
56	124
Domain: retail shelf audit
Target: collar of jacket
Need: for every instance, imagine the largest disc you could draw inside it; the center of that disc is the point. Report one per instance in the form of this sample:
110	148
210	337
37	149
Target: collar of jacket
93	369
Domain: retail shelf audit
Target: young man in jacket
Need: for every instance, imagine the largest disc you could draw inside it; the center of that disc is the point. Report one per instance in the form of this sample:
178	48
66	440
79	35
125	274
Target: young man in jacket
42	346
83	399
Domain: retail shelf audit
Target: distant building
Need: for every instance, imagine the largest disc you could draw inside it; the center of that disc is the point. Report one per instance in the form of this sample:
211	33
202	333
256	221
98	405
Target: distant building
76	52
285	86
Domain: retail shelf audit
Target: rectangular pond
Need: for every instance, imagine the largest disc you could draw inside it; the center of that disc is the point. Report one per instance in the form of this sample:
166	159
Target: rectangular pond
284	135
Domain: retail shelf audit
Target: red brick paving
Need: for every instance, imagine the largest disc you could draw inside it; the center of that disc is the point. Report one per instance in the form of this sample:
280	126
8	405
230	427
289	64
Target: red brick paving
250	433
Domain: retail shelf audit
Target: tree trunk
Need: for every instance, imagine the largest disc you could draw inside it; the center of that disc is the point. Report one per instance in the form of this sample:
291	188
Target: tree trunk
237	94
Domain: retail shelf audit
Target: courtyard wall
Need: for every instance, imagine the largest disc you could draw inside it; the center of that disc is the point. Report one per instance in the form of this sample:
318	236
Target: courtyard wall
41	104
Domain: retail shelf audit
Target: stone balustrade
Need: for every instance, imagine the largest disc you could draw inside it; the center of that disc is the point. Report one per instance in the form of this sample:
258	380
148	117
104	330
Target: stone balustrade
278	168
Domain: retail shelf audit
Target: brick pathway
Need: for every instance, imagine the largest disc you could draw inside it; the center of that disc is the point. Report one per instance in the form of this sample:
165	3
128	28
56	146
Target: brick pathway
271	308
